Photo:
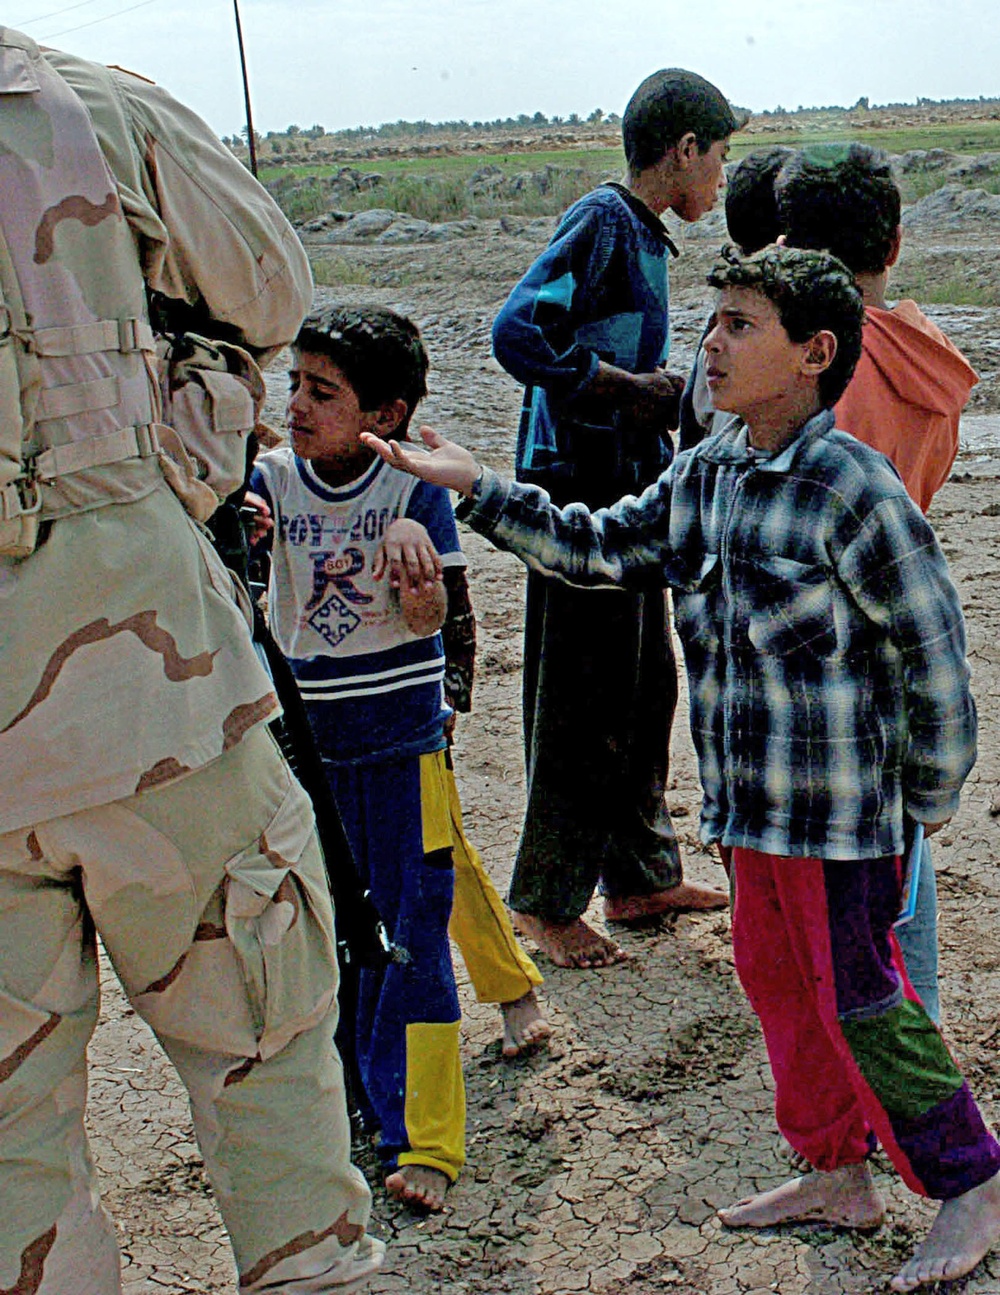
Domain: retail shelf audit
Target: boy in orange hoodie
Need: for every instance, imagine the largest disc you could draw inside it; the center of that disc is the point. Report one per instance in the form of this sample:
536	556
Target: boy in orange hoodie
911	382
908	389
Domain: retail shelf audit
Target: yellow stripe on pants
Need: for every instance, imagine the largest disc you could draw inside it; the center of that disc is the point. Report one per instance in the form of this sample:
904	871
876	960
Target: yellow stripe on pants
434	1108
500	970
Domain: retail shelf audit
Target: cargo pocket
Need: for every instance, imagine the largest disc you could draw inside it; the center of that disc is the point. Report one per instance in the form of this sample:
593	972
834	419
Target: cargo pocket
279	918
212	393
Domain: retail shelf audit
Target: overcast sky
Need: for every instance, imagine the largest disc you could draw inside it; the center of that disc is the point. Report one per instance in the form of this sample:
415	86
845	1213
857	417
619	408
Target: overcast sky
352	62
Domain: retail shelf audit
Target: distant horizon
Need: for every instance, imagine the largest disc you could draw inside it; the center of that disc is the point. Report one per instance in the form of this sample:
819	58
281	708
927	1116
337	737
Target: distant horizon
527	121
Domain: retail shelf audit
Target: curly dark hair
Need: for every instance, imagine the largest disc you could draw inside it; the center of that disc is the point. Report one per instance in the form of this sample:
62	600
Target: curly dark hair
843	198
811	291
667	105
380	353
751	206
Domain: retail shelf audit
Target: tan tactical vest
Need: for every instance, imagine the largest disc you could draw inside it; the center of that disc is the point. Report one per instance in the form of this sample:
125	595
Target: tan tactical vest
79	404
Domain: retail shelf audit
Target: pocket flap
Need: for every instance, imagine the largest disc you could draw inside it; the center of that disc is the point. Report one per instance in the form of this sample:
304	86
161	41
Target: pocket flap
232	405
17	73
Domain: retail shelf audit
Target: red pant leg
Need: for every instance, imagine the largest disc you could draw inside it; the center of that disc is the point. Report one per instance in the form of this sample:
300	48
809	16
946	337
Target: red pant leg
816	1104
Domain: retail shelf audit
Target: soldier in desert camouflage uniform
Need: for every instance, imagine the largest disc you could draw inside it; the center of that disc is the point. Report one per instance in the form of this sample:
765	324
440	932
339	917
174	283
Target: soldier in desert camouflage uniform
140	791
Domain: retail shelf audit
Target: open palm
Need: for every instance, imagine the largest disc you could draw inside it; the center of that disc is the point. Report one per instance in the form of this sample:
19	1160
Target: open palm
442	463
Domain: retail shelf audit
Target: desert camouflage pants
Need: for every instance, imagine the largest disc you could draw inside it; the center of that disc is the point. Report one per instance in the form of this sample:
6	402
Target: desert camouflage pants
210	897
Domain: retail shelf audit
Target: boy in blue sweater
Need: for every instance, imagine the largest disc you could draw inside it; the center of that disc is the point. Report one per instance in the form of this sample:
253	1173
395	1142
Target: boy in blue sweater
587	332
825	651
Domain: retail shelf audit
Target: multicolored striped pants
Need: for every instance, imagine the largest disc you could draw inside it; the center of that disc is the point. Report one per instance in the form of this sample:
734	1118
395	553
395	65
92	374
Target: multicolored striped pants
397	816
852	1050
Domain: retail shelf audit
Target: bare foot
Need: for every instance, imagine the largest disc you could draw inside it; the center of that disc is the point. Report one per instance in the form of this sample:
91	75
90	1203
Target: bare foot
569	944
964	1230
420	1186
846	1197
524	1026
687	897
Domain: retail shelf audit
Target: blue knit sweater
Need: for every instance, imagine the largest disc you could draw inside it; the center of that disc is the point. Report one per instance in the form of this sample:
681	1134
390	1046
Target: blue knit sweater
597	292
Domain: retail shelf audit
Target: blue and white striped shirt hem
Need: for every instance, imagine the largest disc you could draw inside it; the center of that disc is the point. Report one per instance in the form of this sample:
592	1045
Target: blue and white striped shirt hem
373	683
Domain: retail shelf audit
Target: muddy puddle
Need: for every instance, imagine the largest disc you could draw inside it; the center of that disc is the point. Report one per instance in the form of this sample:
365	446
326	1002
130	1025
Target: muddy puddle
979	434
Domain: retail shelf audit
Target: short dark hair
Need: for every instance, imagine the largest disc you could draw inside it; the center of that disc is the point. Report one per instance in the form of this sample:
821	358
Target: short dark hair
667	105
811	291
380	353
841	197
751	206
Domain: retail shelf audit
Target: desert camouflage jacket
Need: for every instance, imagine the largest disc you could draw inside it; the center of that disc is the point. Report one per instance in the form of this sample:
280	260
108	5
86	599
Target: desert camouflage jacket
125	659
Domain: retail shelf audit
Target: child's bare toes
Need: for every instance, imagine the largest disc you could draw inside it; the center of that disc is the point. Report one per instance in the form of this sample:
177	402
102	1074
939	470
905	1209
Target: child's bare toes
524	1025
419	1186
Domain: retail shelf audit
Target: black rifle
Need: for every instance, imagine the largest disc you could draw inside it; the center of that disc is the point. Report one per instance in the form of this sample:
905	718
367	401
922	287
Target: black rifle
362	940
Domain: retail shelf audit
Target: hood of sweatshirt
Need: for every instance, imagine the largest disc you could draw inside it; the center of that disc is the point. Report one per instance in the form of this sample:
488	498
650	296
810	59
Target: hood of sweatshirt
916	360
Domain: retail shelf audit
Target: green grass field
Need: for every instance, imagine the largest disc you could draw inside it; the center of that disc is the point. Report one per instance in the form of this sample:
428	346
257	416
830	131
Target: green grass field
956	136
462	165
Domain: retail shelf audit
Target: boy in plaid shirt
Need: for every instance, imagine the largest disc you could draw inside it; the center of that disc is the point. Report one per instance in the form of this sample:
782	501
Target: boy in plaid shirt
825	649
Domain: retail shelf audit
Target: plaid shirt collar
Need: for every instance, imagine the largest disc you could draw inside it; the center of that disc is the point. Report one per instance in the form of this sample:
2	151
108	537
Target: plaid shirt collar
732	445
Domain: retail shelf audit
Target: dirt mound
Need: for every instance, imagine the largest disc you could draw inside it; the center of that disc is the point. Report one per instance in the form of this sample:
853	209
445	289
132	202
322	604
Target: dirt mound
939	161
924	160
952	206
382	225
493	182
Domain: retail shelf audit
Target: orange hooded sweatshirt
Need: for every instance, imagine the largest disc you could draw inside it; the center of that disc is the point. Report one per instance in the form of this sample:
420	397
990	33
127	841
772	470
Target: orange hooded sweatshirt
906	395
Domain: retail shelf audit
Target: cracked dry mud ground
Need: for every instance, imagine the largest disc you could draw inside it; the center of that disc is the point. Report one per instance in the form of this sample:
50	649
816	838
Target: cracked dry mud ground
598	1165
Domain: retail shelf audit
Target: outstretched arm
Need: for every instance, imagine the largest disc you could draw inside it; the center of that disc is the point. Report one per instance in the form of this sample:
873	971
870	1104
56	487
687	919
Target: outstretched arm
628	544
